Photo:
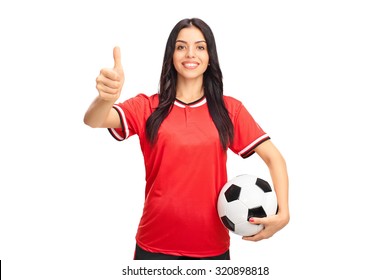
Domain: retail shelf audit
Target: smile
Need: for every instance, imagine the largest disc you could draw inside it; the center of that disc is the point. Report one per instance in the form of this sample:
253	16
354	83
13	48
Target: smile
190	65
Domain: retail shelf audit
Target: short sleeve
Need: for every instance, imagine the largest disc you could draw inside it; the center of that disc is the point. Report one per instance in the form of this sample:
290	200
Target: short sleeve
133	114
247	132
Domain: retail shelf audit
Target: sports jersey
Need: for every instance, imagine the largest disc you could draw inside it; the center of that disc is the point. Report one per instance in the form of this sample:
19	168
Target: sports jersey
185	171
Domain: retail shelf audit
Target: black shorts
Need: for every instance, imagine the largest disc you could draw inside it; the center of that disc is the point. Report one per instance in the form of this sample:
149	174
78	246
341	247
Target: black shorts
141	254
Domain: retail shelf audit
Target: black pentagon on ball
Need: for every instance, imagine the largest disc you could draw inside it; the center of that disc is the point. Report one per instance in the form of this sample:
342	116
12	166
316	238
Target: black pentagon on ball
257	212
228	223
264	185
232	193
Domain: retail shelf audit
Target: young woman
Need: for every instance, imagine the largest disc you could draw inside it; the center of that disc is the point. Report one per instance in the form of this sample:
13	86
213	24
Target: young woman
185	130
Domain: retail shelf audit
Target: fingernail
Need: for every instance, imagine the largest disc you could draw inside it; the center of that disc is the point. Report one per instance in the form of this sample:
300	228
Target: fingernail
251	220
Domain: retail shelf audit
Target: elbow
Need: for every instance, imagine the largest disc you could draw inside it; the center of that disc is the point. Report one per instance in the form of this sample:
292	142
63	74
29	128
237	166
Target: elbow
276	160
88	122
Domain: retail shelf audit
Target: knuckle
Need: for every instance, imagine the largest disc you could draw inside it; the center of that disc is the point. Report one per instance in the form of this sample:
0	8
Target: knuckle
117	84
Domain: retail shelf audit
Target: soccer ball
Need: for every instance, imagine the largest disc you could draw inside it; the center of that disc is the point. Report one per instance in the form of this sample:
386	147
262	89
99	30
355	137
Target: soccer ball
243	197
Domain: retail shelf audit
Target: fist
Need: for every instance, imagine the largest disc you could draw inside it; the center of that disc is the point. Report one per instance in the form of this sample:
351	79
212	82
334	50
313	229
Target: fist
110	81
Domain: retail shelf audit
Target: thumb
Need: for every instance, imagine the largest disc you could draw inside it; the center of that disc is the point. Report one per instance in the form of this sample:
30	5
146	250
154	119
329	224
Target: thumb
117	58
258	221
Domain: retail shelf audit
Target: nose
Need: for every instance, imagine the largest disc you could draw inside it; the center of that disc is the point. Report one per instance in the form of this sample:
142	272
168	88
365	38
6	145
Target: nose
190	52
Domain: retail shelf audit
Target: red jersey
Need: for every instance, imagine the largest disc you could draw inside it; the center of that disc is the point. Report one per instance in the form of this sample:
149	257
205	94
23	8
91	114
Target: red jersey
185	171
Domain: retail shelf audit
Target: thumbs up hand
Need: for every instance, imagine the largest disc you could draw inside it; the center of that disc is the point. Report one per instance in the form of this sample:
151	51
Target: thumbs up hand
110	81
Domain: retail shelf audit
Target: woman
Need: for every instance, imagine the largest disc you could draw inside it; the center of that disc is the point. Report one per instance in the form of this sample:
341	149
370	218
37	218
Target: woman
185	131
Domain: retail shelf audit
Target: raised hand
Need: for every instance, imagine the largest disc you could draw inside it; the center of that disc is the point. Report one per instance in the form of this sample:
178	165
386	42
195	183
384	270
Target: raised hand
110	81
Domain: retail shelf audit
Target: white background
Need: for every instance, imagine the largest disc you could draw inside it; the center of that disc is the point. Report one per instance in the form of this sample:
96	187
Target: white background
314	74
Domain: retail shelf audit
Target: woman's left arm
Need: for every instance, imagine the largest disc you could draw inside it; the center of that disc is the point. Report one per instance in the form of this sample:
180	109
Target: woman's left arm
278	171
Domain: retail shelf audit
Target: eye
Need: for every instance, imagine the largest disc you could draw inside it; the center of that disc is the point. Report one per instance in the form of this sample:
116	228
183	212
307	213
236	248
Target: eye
180	47
201	47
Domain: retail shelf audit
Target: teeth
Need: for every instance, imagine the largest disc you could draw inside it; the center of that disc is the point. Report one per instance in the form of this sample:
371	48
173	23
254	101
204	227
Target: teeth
190	65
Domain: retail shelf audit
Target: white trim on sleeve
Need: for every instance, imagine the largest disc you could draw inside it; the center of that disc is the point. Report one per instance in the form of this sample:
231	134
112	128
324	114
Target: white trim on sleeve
253	144
125	127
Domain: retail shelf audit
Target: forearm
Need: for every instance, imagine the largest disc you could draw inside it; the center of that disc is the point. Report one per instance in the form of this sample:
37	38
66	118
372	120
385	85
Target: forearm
98	112
278	171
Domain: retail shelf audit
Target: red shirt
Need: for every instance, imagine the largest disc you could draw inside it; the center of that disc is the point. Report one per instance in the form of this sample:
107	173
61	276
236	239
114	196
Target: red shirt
185	172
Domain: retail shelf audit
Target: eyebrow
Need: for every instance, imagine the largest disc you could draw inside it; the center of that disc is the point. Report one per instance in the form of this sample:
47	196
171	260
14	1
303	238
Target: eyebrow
197	42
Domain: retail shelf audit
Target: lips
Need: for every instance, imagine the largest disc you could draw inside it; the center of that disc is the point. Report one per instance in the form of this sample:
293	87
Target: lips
190	65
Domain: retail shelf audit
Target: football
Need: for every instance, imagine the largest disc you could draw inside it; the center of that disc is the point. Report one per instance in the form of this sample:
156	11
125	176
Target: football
243	197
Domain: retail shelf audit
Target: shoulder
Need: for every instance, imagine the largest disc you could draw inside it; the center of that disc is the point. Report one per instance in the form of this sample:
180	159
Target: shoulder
231	100
237	110
232	104
143	100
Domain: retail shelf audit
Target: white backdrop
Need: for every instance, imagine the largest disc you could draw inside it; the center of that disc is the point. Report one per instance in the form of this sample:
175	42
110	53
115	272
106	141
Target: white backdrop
314	74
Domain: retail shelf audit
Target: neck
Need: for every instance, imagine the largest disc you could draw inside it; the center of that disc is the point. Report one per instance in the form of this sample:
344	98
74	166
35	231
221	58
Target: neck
189	90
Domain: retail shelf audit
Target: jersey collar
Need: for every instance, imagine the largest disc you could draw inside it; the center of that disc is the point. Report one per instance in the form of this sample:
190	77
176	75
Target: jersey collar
194	104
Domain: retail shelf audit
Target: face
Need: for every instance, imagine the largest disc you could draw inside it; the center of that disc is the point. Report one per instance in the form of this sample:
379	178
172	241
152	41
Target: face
191	57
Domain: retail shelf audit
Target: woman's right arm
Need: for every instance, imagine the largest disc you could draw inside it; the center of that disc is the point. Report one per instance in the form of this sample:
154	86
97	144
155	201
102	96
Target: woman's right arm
109	84
101	114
